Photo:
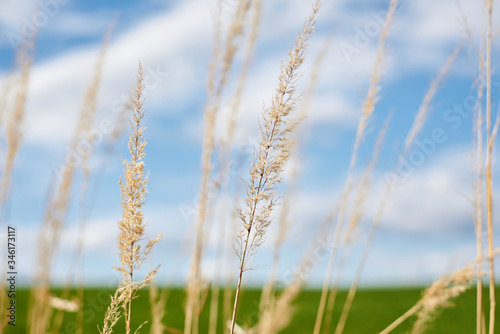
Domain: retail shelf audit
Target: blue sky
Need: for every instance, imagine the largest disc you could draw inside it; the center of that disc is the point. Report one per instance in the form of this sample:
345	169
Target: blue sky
427	229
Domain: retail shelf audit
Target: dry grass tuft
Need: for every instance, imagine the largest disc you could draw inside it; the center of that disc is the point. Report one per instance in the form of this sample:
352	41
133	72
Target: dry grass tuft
440	294
270	158
436	297
158	305
14	115
132	226
113	313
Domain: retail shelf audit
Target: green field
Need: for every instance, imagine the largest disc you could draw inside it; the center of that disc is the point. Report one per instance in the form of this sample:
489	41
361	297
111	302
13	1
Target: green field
372	311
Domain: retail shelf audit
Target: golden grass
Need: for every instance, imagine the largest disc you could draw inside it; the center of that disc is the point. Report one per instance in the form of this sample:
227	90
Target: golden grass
356	216
276	145
15	116
89	107
490	139
366	111
389	187
270	159
56	211
216	86
132	225
158	304
17	85
435	297
478	195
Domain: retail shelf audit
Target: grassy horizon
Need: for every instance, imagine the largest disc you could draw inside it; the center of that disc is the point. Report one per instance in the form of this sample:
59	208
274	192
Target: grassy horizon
257	206
382	305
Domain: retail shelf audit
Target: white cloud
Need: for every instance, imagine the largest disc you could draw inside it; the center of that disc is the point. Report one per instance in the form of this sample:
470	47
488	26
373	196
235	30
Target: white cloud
75	24
431	198
178	42
168	43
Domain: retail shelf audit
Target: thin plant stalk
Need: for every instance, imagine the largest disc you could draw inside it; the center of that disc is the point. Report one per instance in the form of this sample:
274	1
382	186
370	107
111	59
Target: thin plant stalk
412	134
489	178
245	67
133	188
478	205
16	84
227	147
436	297
356	216
366	112
401	319
272	155
215	89
15	117
90	107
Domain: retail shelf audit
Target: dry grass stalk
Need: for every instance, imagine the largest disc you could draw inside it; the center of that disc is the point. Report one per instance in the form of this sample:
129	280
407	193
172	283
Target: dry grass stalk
279	311
365	184
5	92
14	117
214	299
435	298
267	296
489	179
214	306
132	226
478	197
245	67
57	207
216	87
269	161
366	111
220	256
89	108
306	104
424	107
113	313
356	215
16	86
225	157
389	186
267	299
228	289
158	306
284	221
439	294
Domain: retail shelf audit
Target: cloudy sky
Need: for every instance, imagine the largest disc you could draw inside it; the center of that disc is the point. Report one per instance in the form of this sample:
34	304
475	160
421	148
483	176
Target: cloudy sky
427	229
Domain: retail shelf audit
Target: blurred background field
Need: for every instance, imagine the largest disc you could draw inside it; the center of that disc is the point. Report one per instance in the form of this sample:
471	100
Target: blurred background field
373	311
